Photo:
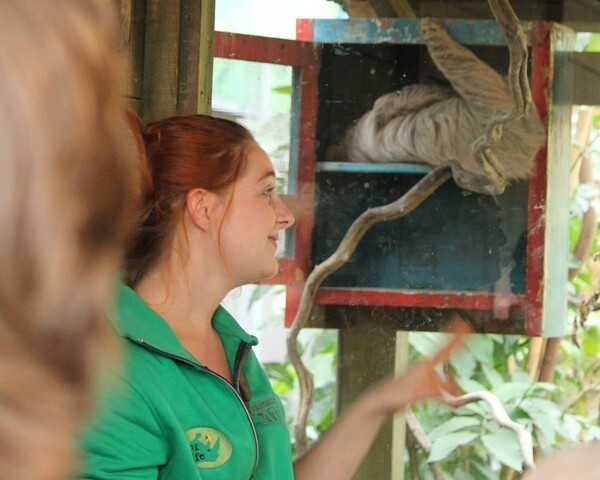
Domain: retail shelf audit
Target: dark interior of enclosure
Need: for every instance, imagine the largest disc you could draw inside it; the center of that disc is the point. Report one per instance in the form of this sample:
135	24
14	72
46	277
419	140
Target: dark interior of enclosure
456	240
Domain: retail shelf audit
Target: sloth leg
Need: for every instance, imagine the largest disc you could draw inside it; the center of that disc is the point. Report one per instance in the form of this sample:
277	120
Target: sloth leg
487	95
485	184
482	87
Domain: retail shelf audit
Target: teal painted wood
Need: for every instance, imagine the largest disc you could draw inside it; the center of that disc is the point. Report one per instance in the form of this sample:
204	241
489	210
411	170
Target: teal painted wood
405	31
294	132
360	167
557	189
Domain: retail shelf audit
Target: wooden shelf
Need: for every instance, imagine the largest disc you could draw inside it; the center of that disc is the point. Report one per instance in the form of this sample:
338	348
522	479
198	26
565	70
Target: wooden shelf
363	167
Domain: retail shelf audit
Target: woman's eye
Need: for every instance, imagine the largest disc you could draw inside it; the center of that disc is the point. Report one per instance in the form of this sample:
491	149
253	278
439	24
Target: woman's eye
269	192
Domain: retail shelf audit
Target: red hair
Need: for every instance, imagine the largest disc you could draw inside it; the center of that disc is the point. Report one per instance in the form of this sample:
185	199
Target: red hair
182	153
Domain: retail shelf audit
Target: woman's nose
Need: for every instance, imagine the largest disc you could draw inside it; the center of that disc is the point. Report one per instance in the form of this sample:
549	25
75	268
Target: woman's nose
284	216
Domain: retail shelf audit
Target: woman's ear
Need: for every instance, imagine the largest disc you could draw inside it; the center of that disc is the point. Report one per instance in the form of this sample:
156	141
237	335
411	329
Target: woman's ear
200	205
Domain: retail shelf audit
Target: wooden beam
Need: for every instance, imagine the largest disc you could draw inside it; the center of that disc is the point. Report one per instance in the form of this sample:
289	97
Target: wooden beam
399	419
196	35
131	15
189	65
366	356
206	52
161	59
168	50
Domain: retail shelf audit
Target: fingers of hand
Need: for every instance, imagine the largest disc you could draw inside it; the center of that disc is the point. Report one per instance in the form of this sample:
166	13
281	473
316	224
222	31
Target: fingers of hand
459	328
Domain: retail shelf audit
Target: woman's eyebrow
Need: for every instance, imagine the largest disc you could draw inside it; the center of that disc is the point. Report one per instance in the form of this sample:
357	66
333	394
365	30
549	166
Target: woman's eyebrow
270	173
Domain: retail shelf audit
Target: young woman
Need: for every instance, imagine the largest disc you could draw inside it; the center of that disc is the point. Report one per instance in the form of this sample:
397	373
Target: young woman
193	401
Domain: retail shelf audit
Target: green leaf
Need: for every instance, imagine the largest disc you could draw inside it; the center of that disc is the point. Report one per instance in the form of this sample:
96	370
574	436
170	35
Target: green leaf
463	363
285	89
548	425
541	405
592	434
460	474
324	342
468	386
520	377
427	343
492	375
511	390
485	471
481	346
478	408
594	43
503	445
591	342
452	425
544	387
570	427
322	414
280	373
323	367
445	445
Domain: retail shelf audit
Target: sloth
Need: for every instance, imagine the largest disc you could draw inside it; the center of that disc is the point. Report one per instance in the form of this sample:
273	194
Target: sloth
437	125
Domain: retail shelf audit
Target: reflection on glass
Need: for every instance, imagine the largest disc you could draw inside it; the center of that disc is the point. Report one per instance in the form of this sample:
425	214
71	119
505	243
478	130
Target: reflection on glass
258	95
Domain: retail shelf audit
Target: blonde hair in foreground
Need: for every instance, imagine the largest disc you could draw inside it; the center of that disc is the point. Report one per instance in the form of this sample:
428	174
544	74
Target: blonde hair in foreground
64	201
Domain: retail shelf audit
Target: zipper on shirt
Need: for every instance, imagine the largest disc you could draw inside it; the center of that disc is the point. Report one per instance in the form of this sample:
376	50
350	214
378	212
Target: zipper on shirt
240	357
246	347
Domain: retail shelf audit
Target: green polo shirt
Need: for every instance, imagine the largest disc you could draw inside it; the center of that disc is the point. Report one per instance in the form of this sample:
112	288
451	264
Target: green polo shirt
166	416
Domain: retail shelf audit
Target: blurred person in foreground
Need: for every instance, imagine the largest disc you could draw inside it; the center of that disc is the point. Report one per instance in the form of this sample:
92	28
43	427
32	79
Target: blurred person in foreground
65	188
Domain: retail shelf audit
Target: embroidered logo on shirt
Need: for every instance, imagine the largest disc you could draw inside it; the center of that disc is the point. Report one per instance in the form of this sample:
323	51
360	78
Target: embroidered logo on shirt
210	448
266	411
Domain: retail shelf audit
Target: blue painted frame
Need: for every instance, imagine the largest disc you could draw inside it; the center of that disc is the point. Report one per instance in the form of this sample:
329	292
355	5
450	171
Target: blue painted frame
406	31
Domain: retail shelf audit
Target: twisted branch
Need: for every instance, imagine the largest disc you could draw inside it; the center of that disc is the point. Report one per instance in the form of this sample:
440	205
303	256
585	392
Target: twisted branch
420	436
499	413
392	211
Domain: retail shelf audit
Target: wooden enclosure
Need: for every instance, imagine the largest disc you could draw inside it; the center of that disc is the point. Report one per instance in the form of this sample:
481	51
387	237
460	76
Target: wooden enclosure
502	260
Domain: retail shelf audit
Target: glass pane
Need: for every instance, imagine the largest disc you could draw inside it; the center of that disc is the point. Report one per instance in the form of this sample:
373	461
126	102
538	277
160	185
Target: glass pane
259	96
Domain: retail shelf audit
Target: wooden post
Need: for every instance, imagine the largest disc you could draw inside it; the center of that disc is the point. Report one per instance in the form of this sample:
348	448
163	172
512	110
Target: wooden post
168	49
197	29
132	18
399	421
206	47
366	357
161	59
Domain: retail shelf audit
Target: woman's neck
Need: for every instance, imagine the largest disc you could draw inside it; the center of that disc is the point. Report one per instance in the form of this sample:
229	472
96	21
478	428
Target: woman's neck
186	296
187	302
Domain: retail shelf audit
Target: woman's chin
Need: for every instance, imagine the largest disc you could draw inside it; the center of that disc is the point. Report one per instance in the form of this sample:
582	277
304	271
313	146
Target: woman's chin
271	272
261	276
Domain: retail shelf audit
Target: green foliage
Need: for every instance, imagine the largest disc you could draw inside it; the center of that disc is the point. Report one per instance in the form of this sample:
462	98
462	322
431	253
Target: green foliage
593	44
468	439
319	351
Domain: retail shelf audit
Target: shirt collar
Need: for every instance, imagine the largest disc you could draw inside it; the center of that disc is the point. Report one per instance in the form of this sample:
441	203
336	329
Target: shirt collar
137	321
